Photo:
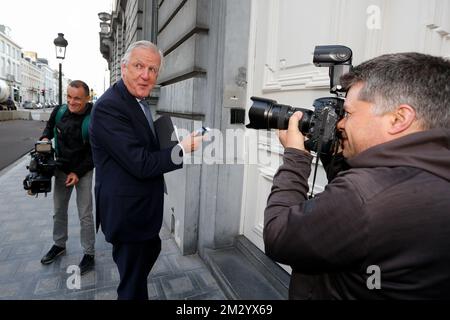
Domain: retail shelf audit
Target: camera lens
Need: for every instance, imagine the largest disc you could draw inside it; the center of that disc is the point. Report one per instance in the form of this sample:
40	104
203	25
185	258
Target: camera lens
268	114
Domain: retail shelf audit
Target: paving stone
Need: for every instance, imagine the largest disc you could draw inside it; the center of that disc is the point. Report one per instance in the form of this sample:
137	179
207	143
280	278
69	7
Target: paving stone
10	290
18	237
114	273
73	231
186	263
164	234
152	291
155	290
169	247
161	267
47	233
211	295
7	215
178	287
14	226
44	223
48	285
8	269
35	267
81	295
25	251
104	257
107	275
4	252
205	279
106	294
89	280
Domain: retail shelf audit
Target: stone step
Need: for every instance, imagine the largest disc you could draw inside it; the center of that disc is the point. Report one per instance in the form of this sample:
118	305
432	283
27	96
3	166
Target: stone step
245	273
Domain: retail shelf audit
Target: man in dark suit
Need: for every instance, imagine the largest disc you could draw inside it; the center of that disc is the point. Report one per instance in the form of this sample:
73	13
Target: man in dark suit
129	182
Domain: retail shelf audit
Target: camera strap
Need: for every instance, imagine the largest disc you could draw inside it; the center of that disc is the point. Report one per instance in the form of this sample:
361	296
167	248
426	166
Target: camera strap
319	151
311	195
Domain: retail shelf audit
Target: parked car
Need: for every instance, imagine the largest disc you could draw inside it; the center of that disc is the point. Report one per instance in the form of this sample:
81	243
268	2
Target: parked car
29	105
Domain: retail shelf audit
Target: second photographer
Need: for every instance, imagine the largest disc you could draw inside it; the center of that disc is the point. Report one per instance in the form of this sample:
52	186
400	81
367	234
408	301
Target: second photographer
68	125
381	229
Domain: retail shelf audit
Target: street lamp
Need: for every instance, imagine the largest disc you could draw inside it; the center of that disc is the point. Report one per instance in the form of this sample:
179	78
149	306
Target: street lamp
60	46
104	16
104	25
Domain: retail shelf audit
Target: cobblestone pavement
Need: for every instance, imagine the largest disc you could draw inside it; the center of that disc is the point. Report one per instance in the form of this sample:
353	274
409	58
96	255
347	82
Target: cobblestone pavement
26	235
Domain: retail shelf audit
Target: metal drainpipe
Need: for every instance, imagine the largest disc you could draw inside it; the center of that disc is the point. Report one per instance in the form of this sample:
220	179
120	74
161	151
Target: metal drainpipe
154	36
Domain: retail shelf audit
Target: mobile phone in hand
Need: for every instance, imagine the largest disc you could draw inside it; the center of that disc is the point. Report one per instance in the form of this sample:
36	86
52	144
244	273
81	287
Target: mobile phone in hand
202	131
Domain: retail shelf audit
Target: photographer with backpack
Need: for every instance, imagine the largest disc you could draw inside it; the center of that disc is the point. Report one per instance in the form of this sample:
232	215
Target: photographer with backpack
68	125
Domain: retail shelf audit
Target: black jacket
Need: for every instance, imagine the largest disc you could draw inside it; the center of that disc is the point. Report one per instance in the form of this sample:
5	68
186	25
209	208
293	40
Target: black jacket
74	154
390	210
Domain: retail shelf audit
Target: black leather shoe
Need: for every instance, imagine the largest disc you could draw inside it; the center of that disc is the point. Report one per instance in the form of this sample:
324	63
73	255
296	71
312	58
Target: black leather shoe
87	263
52	254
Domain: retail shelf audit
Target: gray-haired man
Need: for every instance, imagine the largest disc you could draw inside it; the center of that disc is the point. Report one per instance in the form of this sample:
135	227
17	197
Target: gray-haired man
130	163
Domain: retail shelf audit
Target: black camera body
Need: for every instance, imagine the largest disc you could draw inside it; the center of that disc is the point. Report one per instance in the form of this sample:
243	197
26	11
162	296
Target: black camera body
42	168
319	126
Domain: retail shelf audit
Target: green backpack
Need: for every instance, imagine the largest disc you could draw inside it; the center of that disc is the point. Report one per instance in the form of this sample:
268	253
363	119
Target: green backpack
84	126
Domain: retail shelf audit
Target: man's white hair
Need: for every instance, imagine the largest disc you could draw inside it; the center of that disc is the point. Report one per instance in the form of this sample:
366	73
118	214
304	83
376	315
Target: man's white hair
142	44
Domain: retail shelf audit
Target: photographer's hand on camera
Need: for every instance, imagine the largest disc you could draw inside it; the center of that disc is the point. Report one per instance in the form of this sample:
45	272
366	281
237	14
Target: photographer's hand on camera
292	137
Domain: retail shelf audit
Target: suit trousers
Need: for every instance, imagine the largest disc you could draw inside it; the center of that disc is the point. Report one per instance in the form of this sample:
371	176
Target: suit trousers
61	198
135	261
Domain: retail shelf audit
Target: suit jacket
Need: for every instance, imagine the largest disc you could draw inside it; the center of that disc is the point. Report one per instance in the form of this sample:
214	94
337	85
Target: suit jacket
129	183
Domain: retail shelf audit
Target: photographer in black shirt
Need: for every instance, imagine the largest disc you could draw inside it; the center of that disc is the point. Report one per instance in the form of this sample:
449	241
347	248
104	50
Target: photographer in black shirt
68	125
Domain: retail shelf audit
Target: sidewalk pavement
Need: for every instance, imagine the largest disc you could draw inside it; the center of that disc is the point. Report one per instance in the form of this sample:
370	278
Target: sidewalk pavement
26	235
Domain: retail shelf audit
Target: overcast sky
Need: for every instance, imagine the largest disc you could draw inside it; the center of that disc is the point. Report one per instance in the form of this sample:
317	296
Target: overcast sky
35	24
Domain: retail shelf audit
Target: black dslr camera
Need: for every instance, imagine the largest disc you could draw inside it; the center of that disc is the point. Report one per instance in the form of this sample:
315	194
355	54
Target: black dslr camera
319	126
42	168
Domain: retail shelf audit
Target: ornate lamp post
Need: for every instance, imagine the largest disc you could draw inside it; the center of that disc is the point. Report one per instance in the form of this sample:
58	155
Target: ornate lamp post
60	46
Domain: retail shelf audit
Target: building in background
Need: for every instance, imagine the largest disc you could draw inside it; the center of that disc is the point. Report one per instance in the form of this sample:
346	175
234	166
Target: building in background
220	53
49	88
41	80
65	84
29	77
10	62
31	80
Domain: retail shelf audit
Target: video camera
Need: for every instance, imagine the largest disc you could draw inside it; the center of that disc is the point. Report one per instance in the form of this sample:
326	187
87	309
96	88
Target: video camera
42	168
319	126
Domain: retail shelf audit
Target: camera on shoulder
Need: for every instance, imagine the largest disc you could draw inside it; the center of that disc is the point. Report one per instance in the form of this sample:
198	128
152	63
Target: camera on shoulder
42	168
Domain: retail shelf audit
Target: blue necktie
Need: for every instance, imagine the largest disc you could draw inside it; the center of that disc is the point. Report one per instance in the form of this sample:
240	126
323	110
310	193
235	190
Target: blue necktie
148	115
